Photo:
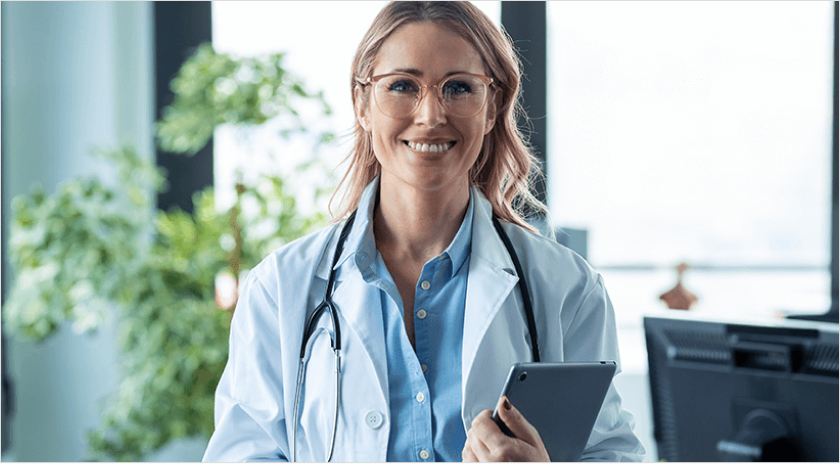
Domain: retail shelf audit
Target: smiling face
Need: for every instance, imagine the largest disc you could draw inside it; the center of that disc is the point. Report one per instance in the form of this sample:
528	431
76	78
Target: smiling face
430	149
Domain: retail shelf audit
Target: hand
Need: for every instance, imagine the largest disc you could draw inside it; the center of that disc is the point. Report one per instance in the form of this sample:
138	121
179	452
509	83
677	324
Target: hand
487	443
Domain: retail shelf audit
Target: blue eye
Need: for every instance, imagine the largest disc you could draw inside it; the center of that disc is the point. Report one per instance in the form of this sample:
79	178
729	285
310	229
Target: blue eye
456	88
404	86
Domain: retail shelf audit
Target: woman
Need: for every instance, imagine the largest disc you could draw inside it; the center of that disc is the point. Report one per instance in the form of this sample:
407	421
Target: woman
423	288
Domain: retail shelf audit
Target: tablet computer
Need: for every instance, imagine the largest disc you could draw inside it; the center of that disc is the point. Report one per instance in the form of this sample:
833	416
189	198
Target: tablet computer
561	400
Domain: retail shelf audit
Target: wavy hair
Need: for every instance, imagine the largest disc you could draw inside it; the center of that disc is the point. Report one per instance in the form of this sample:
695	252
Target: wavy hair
505	169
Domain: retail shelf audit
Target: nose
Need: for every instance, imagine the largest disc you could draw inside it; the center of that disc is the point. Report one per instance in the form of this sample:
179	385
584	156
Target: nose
430	111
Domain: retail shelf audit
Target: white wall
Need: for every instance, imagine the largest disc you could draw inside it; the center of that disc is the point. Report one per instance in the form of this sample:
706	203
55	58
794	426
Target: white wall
75	76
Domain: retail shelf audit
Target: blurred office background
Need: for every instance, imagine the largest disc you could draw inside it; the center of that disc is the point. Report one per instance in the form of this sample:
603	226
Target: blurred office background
696	132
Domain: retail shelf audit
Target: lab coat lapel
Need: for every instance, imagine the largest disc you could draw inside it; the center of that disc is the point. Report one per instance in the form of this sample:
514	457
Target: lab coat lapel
489	348
359	303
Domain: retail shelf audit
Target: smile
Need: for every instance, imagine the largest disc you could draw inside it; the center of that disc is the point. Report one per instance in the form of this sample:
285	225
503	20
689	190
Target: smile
434	148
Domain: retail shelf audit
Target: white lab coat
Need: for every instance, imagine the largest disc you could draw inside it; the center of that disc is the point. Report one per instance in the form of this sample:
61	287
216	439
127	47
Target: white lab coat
256	394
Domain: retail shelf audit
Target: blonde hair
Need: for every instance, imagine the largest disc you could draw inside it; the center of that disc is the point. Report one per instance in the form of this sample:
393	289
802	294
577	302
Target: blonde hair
505	169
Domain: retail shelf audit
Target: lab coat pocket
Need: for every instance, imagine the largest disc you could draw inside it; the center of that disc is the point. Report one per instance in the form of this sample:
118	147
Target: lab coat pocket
317	398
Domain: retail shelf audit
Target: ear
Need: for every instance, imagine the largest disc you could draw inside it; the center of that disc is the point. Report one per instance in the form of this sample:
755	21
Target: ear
362	109
493	106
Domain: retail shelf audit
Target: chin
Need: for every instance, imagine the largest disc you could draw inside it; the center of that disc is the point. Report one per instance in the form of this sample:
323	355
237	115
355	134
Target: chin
433	180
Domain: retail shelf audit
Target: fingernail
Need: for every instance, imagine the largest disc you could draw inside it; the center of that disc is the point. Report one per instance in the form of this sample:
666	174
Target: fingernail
507	403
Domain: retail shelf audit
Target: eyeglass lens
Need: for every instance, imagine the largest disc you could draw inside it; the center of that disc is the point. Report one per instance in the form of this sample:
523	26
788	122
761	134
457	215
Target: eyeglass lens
462	95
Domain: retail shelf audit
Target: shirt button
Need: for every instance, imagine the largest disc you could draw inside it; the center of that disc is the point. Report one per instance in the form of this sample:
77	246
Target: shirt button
420	397
424	367
425	285
373	419
421	314
424	454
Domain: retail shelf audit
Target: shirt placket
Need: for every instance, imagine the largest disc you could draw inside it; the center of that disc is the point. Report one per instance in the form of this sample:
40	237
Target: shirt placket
424	319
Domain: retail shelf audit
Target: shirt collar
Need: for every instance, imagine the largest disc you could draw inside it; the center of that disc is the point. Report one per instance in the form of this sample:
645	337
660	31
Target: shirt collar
361	243
459	249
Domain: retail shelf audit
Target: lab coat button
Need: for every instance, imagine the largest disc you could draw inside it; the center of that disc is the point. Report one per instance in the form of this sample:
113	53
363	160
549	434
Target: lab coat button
425	285
420	397
424	454
421	314
373	419
424	367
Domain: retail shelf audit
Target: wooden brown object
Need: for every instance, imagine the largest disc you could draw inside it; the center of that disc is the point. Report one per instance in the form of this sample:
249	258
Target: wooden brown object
679	297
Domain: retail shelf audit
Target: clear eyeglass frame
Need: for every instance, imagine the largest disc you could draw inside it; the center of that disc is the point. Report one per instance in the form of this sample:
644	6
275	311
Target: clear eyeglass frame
373	80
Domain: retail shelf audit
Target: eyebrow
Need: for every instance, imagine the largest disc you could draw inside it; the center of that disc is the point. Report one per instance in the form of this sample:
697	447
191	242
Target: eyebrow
418	73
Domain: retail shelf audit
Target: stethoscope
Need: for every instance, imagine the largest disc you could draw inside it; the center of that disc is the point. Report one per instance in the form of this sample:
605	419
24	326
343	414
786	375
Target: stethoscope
335	337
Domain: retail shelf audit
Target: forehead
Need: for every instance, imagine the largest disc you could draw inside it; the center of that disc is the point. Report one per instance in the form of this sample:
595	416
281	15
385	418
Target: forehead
427	50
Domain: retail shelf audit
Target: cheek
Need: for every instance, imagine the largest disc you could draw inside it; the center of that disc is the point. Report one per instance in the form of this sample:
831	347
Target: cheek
381	138
384	139
474	136
387	130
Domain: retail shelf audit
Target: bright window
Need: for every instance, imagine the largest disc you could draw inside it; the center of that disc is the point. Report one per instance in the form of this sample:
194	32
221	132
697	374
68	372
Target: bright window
695	131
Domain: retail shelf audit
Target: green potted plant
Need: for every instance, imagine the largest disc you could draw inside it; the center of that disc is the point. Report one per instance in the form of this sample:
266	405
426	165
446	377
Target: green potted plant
94	250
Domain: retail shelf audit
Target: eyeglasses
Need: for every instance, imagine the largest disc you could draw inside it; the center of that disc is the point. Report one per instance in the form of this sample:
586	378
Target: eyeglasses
398	95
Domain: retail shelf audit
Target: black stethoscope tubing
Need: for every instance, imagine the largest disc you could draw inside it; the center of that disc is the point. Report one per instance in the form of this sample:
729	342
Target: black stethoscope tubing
327	303
335	338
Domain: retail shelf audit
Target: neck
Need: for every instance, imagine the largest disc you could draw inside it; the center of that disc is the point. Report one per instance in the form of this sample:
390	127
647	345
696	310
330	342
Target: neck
418	225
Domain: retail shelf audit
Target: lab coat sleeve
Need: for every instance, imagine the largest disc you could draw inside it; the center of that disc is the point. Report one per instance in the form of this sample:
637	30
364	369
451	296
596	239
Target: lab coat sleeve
250	422
589	336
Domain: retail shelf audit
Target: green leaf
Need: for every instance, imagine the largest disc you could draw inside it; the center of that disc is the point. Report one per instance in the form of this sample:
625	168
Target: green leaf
93	250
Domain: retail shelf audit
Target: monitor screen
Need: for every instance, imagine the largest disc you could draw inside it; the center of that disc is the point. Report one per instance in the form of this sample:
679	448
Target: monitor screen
724	391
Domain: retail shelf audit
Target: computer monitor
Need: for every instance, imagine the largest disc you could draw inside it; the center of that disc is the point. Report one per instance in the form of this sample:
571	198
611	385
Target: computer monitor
725	391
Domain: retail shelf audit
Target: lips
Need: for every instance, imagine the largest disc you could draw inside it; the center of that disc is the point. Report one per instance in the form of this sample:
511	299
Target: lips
430	147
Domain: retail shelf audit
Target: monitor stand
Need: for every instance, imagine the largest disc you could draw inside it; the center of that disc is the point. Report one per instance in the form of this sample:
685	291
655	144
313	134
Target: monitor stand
763	436
830	316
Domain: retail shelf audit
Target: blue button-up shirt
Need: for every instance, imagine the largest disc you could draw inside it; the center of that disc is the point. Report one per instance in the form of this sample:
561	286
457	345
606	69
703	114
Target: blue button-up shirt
425	386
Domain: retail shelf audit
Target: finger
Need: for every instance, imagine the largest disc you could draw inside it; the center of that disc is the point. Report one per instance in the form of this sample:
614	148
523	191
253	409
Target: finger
487	431
517	423
467	454
476	443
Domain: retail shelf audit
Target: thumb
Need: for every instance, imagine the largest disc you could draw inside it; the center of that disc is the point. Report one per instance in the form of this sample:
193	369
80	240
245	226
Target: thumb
517	423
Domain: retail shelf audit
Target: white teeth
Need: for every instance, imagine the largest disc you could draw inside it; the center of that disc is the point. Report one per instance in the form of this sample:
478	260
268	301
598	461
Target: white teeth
434	148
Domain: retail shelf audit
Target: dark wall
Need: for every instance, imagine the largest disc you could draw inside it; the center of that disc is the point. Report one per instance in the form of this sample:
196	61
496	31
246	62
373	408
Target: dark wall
180	27
525	23
834	183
